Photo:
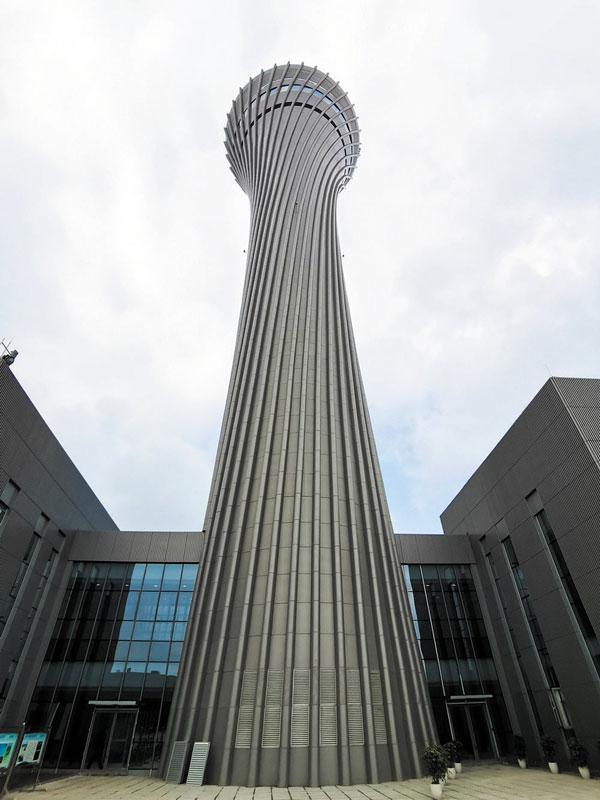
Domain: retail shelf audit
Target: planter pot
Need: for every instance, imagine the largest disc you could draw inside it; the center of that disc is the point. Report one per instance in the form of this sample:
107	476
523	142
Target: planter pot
553	766
451	772
584	772
522	763
436	790
458	767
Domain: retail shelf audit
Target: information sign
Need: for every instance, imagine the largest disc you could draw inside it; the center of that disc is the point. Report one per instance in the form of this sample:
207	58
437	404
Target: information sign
7	745
31	748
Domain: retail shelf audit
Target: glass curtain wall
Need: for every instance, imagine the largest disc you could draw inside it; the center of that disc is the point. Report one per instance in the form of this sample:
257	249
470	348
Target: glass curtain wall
456	653
118	638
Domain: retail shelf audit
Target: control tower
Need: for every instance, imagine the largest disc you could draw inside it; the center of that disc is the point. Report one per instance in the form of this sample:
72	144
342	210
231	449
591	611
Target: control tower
301	665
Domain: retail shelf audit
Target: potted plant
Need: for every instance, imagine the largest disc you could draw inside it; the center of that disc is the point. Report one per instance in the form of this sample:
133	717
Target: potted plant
435	764
460	751
520	750
450	752
549	748
579	756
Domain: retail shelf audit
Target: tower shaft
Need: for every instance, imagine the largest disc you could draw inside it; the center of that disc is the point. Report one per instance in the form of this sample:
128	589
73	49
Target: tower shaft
300	665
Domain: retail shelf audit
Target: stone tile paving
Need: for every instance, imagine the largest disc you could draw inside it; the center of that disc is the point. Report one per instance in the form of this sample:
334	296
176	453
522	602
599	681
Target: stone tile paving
489	782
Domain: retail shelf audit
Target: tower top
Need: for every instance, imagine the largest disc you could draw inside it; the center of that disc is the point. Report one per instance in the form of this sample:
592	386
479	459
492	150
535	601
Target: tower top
298	93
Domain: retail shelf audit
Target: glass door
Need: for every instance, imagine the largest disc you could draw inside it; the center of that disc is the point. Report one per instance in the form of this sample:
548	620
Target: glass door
109	740
470	723
461	730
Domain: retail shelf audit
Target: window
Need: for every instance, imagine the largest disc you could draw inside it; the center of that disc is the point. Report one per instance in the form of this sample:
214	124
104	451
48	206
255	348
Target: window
568	584
530	615
119	636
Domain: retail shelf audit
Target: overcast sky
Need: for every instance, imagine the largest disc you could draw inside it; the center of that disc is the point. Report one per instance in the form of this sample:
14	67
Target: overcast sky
471	228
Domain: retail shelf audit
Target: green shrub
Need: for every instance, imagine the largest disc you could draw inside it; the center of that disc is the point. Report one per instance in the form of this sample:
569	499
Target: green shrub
451	753
520	747
577	752
460	749
434	759
549	748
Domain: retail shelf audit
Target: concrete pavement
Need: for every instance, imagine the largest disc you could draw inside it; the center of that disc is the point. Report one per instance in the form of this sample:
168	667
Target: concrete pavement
482	782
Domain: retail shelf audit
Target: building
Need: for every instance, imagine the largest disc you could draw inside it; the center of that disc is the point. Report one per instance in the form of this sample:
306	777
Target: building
532	514
301	666
316	647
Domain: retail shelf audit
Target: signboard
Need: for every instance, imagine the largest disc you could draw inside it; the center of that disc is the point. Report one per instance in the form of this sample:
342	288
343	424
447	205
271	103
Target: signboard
32	748
7	745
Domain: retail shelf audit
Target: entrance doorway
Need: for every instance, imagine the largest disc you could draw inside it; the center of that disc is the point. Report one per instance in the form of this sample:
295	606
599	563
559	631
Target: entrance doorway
109	741
471	724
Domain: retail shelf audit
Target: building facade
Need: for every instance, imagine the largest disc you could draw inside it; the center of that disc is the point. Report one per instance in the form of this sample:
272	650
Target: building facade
532	513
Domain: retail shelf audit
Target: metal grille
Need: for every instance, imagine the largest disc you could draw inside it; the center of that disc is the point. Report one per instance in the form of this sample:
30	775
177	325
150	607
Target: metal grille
356	732
177	762
327	708
328	725
198	763
243	735
249	682
353	693
380	727
274	694
327	693
300	719
300	708
271	736
378	709
301	686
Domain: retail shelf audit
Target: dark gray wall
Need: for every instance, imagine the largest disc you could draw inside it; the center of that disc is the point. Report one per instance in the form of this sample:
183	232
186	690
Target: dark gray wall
48	483
138	546
551	449
414	548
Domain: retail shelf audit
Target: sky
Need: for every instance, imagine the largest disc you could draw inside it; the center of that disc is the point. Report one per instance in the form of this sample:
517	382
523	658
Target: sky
470	230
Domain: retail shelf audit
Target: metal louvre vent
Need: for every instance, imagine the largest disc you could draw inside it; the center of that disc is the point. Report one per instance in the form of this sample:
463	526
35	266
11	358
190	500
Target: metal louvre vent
178	762
299	735
328	725
249	682
243	735
353	693
274	694
327	708
327	683
300	719
376	691
271	735
379	721
198	763
301	686
378	707
356	731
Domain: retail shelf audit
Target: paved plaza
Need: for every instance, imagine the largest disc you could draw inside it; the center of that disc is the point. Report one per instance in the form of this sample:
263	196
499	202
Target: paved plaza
485	782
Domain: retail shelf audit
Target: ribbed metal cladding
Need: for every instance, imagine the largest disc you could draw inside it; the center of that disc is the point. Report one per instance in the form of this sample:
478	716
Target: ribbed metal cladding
300	579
